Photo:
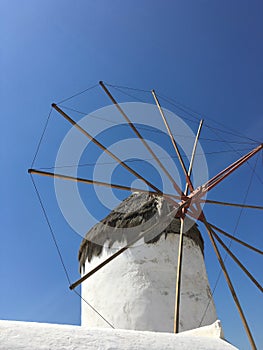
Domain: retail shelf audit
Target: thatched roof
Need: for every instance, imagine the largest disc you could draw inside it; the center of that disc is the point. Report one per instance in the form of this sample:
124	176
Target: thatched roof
136	214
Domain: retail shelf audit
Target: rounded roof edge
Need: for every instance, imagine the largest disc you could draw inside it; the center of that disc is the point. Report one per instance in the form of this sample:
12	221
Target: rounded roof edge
137	213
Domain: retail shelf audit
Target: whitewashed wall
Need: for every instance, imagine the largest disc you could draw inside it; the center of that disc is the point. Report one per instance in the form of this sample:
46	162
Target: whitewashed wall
137	289
41	336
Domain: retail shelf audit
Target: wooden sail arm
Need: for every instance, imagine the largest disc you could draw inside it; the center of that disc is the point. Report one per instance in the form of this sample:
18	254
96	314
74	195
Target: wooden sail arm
249	206
243	268
236	239
195	215
173	141
180	243
193	156
230	285
100	183
101	265
178	277
100	145
138	134
201	217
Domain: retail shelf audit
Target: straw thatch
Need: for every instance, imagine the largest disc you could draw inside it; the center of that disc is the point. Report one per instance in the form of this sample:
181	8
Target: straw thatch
136	214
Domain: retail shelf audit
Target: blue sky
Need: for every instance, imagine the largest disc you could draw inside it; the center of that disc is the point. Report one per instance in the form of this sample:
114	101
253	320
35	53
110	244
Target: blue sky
206	54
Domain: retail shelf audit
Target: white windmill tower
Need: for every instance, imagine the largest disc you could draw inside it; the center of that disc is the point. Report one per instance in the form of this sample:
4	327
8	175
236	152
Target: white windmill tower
137	290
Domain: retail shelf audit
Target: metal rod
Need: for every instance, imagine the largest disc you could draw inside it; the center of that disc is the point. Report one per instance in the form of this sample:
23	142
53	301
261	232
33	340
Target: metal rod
231	287
173	140
193	155
252	278
178	278
98	183
236	239
67	117
231	204
138	134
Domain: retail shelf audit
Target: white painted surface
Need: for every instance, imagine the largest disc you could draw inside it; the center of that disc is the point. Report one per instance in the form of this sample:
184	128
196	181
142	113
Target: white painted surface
137	290
41	336
212	331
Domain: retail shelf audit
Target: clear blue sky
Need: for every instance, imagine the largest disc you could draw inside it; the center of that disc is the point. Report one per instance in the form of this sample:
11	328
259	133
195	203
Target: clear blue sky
206	54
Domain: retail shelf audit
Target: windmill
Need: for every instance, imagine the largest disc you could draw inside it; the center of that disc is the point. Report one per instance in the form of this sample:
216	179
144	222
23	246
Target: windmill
187	201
